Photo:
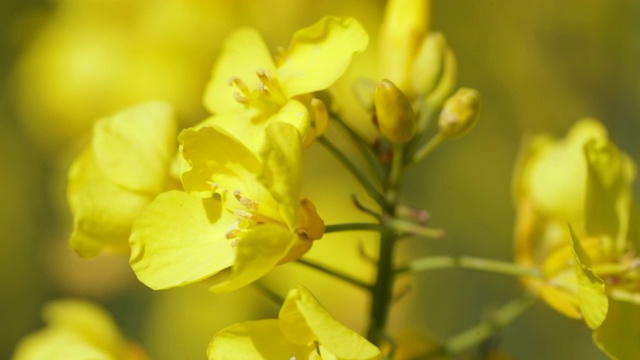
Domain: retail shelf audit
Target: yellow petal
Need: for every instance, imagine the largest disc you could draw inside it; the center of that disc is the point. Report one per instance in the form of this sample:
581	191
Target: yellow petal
310	224
254	340
180	239
591	290
319	54
282	169
243	52
619	333
258	251
608	202
103	212
558	177
135	146
215	156
251	130
303	320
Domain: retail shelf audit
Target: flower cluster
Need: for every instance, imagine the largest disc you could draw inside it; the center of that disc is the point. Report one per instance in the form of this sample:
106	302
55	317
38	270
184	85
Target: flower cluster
222	205
577	221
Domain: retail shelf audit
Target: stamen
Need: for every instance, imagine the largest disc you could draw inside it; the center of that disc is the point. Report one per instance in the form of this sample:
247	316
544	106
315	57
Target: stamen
233	231
241	99
244	89
248	203
263	75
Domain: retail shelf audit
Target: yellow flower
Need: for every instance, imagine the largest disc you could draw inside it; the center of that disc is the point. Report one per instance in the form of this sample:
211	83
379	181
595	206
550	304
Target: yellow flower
77	329
249	89
241	215
591	272
303	330
126	165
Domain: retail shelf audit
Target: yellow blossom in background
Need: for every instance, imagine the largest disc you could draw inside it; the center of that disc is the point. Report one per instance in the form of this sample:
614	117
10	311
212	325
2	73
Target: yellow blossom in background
590	273
111	181
250	89
240	215
303	330
77	329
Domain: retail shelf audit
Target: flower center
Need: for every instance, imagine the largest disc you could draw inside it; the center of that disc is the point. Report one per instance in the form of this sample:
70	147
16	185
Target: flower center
267	96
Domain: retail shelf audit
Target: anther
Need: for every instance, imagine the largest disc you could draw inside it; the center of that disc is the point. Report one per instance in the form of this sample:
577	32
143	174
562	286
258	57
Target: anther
248	203
241	99
263	75
244	89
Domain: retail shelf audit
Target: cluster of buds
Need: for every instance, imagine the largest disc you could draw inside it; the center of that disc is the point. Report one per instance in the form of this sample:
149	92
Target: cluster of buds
419	76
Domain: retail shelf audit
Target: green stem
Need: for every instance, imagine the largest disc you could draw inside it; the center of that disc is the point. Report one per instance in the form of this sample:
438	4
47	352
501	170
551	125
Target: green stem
469	263
427	149
352	227
382	292
363	146
359	175
484	330
335	273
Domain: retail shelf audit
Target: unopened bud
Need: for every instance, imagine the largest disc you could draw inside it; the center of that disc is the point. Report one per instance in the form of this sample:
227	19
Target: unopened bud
460	112
447	81
428	64
396	119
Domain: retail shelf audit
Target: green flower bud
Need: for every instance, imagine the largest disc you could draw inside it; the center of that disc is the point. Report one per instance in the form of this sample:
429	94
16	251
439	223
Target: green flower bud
428	64
460	112
396	119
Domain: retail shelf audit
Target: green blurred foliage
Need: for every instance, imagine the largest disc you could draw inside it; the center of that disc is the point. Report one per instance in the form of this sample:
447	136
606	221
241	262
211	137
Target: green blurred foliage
539	65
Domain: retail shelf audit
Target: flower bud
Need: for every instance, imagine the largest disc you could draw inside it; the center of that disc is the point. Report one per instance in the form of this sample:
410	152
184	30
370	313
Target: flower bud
396	119
405	24
428	64
460	112
446	82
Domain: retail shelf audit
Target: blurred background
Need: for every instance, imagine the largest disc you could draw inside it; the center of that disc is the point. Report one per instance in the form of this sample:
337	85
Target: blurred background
539	66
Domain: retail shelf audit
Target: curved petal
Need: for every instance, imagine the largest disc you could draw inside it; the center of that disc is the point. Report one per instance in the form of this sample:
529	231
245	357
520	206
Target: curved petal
254	340
592	297
303	320
180	239
258	251
319	55
216	156
135	146
243	52
250	128
282	169
103	212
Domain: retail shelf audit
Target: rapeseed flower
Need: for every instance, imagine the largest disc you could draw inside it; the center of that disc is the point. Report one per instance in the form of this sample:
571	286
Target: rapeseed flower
591	272
250	89
303	330
240	216
113	179
77	329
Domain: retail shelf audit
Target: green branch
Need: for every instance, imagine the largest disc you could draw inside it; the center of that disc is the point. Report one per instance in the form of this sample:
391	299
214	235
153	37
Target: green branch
335	273
484	330
363	179
468	263
352	227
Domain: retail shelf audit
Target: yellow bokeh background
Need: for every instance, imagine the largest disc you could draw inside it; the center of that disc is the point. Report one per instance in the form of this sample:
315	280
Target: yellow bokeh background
539	65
